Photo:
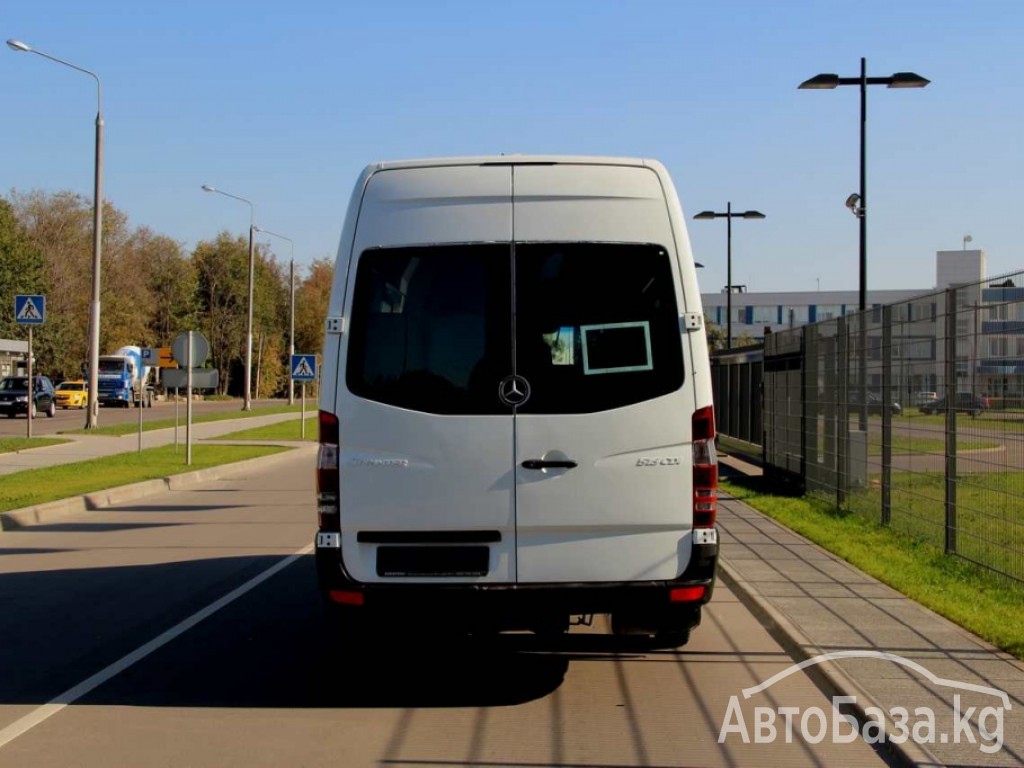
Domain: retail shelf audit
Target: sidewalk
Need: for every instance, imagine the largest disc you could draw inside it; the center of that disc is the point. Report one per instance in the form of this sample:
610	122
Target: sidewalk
84	447
815	603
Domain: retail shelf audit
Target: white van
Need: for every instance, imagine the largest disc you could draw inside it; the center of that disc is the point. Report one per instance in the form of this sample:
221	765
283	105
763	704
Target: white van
515	420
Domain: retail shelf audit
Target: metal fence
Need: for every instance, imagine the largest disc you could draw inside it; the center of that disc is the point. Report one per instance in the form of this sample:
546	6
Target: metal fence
911	414
736	380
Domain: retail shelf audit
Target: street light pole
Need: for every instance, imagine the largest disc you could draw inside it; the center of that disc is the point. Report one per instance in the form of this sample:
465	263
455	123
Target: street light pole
858	203
728	216
247	402
291	316
92	411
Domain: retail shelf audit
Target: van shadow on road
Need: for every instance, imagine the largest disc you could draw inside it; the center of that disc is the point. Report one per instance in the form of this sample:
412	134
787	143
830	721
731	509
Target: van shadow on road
274	647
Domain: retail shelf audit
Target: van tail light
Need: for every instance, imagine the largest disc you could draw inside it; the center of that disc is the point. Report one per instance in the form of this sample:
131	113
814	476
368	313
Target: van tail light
328	503
686	594
705	468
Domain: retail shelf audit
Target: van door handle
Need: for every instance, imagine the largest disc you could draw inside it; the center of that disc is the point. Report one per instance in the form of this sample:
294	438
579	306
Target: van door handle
542	464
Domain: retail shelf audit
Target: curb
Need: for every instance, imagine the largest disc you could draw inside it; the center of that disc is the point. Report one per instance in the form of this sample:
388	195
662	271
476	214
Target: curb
829	679
40	514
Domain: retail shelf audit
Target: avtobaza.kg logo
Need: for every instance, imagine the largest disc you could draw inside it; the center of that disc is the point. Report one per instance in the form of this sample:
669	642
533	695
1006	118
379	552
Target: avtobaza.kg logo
980	725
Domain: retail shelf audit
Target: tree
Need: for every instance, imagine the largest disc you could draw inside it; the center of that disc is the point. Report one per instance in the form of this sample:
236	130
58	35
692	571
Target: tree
21	270
59	226
312	297
172	281
716	335
221	269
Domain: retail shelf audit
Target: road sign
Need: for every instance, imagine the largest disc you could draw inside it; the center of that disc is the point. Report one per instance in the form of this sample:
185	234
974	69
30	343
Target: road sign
29	310
200	349
304	367
166	358
159	357
202	378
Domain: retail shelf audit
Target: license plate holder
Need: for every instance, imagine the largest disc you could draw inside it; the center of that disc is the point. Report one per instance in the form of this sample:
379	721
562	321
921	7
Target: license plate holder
432	562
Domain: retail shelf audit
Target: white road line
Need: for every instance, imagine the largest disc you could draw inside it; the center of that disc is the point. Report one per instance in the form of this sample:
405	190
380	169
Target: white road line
52	707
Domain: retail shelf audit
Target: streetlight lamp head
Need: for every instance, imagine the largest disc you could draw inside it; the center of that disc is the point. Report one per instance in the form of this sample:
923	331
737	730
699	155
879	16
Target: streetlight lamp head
907	80
821	82
17	45
703	215
208	188
753	215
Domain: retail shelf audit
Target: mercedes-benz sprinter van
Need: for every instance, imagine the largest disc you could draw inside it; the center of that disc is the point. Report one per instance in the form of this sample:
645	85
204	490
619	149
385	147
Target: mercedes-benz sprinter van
515	419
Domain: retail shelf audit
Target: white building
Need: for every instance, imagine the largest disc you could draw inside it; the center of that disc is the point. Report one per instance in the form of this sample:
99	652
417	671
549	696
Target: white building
753	313
988	340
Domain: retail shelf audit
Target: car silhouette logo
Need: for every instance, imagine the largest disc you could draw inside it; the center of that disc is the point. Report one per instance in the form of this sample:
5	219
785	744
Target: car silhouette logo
514	390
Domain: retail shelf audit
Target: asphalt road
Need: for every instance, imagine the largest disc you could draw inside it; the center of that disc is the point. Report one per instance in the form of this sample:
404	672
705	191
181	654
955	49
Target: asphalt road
74	418
184	630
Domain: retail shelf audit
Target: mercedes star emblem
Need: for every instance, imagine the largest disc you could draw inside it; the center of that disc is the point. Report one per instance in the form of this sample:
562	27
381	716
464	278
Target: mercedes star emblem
514	390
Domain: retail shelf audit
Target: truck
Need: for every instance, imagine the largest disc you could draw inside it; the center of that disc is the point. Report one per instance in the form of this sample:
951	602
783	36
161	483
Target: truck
118	378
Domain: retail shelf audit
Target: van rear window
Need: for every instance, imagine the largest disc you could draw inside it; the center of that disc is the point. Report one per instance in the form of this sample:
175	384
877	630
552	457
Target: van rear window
431	328
597	325
589	326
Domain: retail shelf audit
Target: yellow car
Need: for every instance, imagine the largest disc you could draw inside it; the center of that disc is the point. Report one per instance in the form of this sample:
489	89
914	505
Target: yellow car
72	394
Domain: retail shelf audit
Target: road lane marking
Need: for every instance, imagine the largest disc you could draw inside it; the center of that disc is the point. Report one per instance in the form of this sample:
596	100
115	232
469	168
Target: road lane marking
46	711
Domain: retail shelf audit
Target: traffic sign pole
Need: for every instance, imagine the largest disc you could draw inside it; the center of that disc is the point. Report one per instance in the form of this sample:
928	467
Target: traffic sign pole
31	385
30	310
188	402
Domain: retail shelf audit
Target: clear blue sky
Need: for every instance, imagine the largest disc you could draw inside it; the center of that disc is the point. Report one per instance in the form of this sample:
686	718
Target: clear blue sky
285	103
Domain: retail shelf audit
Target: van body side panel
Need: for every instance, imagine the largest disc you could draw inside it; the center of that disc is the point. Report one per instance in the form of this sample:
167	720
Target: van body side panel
404	471
699	352
624	511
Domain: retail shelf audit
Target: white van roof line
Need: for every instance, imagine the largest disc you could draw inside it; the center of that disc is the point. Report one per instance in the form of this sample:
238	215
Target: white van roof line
512	159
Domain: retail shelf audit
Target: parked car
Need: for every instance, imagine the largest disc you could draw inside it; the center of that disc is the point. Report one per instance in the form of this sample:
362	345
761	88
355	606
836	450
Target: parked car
965	402
72	394
923	398
874	403
14	397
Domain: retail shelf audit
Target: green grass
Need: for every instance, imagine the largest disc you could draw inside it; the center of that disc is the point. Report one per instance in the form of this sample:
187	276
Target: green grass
987	421
11	444
285	430
988	516
973	597
903	444
38	486
116	430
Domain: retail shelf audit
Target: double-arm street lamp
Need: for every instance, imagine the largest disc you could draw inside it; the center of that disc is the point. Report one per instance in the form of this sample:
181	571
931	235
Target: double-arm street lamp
291	316
728	216
858	203
97	236
247	404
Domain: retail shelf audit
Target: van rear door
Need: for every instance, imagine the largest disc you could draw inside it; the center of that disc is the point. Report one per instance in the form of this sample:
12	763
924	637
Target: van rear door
425	450
603	441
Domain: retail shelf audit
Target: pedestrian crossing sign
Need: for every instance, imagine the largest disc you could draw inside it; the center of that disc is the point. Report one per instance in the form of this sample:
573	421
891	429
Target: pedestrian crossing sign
304	367
29	310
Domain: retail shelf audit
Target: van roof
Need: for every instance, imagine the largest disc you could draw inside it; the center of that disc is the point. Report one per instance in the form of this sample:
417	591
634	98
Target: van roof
513	159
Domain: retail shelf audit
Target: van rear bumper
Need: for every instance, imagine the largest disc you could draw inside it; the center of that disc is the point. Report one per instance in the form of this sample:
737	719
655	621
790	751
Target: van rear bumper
519	603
